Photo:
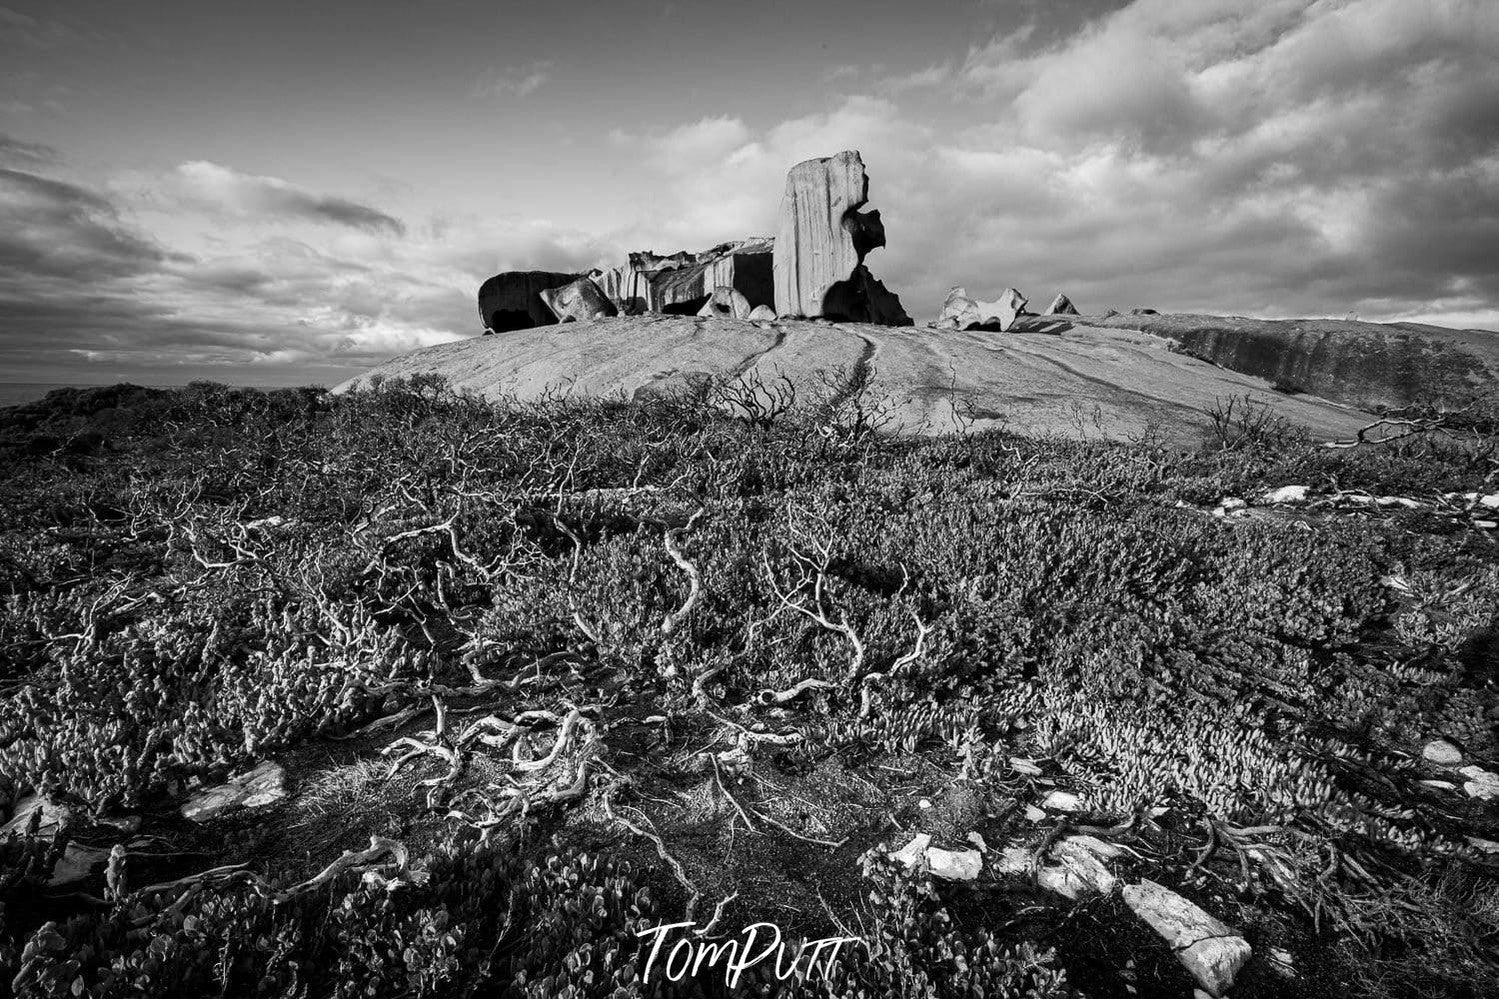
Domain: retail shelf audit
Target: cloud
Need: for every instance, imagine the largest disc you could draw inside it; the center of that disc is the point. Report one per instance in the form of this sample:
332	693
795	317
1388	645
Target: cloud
1288	157
90	290
513	81
53	229
211	187
16	153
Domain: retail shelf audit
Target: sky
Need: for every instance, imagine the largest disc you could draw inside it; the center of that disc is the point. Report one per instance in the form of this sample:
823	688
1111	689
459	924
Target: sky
286	193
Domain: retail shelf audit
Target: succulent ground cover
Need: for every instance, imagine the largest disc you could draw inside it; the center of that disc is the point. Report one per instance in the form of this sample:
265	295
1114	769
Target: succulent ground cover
545	676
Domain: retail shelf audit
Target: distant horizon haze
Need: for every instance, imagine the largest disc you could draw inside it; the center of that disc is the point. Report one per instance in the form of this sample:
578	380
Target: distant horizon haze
287	194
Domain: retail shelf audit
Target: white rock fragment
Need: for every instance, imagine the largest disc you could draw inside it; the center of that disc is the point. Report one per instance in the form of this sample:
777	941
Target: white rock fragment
1024	766
1481	783
1486	845
1286	494
954	865
1210	950
924	804
1062	801
1034	814
1231	503
912	853
1491	501
264	785
1442	753
978	841
1280	962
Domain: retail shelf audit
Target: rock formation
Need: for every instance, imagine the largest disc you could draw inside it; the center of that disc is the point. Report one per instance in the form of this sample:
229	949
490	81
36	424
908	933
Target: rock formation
762	314
823	239
1003	311
580	299
511	300
1061	306
959	311
726	301
682	282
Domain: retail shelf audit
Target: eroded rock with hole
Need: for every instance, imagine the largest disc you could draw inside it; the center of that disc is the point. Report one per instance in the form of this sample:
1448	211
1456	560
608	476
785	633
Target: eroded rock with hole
726	302
1061	306
262	786
822	243
578	301
1003	311
511	300
1209	949
959	311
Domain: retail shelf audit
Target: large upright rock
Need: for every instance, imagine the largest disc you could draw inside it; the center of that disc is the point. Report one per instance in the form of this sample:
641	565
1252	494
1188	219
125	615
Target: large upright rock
578	300
511	300
820	249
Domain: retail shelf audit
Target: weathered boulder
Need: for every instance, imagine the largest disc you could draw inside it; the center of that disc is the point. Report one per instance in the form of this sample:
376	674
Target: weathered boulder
264	785
1003	311
511	300
1286	494
762	314
1061	306
1207	948
578	300
823	239
728	302
1442	753
959	311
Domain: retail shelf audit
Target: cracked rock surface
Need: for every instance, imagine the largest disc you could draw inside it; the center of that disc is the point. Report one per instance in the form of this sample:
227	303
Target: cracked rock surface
1208	948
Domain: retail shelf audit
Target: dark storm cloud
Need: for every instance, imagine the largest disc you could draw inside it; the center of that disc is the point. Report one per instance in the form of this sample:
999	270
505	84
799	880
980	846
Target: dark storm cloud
50	228
217	188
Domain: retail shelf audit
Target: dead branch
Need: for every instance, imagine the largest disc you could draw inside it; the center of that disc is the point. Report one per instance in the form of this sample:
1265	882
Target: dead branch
695	579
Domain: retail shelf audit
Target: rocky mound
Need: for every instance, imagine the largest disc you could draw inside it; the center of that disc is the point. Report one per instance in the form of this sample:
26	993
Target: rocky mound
1048	376
1361	364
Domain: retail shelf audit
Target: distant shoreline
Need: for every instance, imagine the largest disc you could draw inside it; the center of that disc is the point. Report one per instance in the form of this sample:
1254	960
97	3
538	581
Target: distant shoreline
20	393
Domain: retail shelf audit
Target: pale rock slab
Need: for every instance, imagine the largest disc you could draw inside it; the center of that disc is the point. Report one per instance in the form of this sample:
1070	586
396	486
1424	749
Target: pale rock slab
762	314
54	816
1062	801
1480	783
1286	494
954	865
578	301
823	239
264	785
1209	949
1442	753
